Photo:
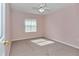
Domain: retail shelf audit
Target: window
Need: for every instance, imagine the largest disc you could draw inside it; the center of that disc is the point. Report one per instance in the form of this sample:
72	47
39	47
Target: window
1	20
30	25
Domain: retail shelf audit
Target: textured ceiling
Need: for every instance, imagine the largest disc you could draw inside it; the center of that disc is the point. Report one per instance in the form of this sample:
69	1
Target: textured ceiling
30	7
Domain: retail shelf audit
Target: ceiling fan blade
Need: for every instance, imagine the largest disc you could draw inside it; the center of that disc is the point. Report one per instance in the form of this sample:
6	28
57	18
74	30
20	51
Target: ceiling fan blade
46	8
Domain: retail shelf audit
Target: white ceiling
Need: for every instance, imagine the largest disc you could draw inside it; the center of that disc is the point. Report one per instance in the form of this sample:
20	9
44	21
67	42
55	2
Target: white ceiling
29	7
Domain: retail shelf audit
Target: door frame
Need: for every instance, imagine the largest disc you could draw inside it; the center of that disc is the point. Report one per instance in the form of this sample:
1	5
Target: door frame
2	37
2	22
7	28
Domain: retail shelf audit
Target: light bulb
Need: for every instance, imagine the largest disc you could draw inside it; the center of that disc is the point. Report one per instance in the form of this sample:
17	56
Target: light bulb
41	10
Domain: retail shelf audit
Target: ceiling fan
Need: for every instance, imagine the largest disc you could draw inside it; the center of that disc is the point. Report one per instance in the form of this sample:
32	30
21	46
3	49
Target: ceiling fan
42	8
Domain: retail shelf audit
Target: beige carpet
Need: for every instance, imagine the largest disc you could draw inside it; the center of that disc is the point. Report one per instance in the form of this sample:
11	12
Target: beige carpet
28	48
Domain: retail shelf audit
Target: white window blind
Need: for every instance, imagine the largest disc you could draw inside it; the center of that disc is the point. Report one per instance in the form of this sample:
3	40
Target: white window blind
30	25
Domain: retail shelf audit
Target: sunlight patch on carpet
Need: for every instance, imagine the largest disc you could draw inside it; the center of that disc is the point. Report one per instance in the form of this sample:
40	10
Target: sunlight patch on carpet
42	42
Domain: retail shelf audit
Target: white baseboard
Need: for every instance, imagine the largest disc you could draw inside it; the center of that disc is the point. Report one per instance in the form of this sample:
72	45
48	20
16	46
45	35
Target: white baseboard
74	46
26	38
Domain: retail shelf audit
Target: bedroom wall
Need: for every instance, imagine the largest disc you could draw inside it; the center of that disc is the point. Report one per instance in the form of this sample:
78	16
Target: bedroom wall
63	25
18	31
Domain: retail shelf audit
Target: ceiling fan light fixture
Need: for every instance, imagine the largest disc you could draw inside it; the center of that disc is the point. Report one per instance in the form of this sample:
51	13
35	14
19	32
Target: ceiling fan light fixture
41	10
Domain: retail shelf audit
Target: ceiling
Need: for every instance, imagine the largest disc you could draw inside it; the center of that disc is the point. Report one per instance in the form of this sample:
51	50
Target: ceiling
30	7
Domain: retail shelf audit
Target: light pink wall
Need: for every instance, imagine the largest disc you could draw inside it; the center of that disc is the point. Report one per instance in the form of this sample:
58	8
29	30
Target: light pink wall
63	25
18	31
